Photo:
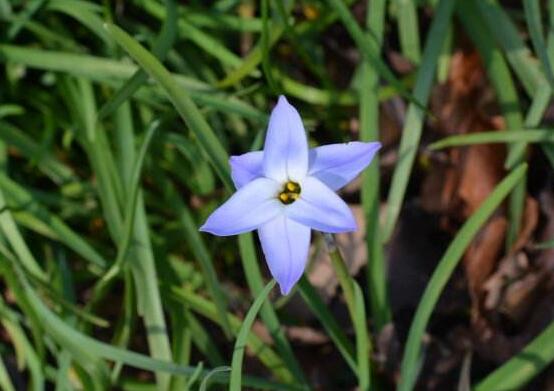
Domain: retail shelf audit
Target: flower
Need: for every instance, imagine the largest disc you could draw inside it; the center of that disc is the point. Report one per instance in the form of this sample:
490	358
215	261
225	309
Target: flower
286	190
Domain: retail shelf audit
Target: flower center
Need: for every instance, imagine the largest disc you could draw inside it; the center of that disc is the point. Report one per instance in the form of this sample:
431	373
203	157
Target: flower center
290	193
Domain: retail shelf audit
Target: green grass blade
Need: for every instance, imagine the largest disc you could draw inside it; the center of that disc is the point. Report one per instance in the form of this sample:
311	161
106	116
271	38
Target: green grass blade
413	125
533	18
133	189
200	251
86	347
264	352
188	31
255	283
507	36
62	377
203	340
265	14
11	233
408	30
508	136
368	50
356	308
130	209
218	157
23	17
479	29
180	99
26	354
207	18
20	197
181	346
520	58
112	190
318	308
95	144
524	366
83	13
112	72
5	381
254	57
235	383
444	270
363	346
161	46
370	193
46	162
206	380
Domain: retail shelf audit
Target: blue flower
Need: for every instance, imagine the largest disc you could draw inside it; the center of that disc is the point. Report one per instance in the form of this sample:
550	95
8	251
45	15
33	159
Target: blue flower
286	190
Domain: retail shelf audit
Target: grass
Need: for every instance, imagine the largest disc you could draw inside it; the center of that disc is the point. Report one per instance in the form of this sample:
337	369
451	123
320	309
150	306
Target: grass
117	120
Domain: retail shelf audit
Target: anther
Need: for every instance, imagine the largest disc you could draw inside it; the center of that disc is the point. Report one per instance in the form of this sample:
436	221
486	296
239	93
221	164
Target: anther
290	193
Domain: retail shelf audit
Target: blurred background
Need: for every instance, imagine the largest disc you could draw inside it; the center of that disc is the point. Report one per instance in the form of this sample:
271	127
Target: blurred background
116	122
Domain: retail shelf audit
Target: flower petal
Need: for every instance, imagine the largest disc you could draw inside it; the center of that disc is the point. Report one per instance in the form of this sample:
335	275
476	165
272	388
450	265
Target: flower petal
247	209
286	144
337	164
320	208
246	167
285	244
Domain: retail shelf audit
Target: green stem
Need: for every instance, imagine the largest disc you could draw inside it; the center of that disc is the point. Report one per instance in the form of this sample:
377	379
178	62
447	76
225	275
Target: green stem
341	270
356	307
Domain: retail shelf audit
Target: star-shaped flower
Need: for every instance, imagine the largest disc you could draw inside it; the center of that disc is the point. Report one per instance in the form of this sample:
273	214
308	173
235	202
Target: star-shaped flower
286	190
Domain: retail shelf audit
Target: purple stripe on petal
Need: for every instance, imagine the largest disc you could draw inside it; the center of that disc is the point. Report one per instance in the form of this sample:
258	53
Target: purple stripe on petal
286	144
285	244
337	164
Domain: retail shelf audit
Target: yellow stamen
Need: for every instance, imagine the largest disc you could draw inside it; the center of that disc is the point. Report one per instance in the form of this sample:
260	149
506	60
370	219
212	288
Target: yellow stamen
284	197
290	193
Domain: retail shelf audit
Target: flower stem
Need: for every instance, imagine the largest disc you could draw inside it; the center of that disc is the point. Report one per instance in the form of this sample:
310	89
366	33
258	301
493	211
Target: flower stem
341	270
356	307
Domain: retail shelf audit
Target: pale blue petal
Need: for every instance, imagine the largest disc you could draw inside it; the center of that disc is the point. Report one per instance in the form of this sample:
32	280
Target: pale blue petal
246	210
286	144
320	208
337	164
246	167
285	244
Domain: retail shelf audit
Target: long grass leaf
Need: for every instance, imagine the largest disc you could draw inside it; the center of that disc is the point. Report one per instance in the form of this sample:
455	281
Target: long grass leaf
255	283
479	29
19	197
216	153
508	136
264	352
11	233
46	162
112	72
408	29
413	125
363	352
235	383
5	381
318	308
363	42
533	18
200	251
370	193
180	99
444	270
524	366
83	13
161	46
